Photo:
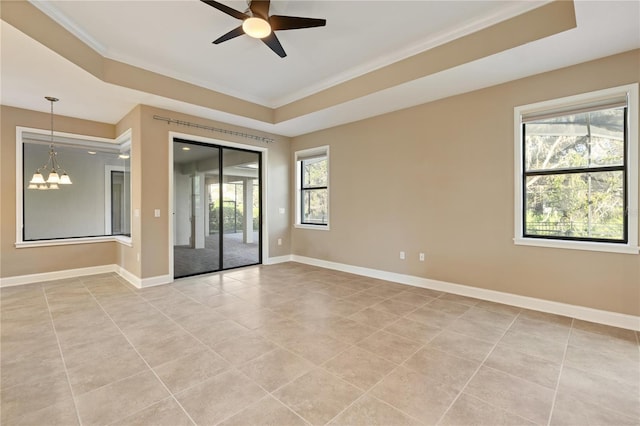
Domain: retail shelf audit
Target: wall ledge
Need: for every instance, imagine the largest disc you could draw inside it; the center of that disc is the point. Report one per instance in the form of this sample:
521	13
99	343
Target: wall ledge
614	319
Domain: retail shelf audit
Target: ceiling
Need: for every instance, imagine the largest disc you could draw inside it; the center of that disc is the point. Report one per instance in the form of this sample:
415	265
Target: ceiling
173	39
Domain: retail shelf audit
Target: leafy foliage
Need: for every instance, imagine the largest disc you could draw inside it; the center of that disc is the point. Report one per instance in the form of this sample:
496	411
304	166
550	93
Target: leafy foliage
570	193
314	190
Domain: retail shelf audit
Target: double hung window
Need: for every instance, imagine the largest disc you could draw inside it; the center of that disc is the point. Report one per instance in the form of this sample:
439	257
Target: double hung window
577	171
312	198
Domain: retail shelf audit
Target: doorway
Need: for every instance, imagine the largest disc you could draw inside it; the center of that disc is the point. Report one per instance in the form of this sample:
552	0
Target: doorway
217	201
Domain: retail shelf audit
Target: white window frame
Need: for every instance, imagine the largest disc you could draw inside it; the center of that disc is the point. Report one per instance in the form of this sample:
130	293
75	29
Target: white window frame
298	157
567	103
123	140
107	194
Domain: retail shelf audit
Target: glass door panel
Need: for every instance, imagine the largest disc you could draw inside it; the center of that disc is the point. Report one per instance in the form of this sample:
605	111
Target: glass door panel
196	236
241	200
217	222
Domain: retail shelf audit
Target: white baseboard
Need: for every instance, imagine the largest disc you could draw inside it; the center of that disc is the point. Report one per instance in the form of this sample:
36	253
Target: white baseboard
132	279
144	282
57	275
154	281
614	319
80	272
278	259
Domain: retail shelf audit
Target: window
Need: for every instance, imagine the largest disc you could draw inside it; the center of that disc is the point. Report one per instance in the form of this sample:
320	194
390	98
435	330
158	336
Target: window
95	207
312	195
576	184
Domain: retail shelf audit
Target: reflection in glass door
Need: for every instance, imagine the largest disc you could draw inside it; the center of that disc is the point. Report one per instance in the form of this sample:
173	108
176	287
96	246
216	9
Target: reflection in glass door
216	214
241	207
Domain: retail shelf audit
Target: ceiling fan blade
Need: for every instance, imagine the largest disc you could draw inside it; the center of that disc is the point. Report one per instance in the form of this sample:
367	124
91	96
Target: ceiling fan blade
231	34
274	44
260	8
279	23
226	9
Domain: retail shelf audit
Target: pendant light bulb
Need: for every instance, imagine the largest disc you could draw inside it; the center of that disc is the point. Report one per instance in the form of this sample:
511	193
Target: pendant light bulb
37	178
64	179
53	177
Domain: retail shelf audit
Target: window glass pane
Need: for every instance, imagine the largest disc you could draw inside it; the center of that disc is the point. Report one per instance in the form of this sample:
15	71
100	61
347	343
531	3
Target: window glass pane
120	203
96	203
314	172
314	206
577	205
590	139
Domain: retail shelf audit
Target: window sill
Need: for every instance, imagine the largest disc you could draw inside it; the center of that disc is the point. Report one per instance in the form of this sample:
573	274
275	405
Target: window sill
578	245
316	227
71	241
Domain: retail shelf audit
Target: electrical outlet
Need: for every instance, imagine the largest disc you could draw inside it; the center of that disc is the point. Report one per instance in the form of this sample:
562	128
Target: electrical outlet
156	212
421	257
402	255
279	241
138	257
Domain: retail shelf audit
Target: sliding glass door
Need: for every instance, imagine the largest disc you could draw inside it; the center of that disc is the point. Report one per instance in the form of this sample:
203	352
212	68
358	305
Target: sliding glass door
217	208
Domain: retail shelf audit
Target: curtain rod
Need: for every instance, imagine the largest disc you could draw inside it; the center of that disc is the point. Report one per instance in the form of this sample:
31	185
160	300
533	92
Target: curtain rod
214	129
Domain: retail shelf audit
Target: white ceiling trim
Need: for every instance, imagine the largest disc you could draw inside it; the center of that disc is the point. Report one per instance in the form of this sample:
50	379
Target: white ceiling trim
438	39
30	71
465	28
48	9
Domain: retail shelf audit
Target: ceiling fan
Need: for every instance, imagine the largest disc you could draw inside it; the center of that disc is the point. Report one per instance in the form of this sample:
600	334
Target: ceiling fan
257	23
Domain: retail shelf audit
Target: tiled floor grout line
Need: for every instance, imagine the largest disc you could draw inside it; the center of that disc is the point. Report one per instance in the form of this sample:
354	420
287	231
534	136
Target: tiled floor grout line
64	364
564	356
256	402
367	391
145	362
315	366
279	346
232	367
422	345
321	366
461	391
504	409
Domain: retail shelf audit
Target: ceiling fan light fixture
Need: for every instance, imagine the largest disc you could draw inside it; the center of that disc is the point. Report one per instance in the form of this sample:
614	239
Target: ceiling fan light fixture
256	27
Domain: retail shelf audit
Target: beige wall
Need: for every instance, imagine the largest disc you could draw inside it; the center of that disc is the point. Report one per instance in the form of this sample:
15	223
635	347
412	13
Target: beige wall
26	261
154	185
150	190
127	256
436	178
439	178
543	21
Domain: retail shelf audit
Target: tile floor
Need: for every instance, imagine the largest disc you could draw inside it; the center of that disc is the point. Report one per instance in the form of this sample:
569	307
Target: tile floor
292	344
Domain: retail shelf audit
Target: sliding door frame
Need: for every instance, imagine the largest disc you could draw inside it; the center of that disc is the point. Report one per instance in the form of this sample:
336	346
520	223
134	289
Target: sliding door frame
262	179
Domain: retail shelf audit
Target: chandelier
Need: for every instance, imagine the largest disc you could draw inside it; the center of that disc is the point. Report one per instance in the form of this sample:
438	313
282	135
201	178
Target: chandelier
57	175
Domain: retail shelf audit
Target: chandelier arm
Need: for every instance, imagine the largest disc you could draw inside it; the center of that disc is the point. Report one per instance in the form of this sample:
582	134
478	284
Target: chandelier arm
51	166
